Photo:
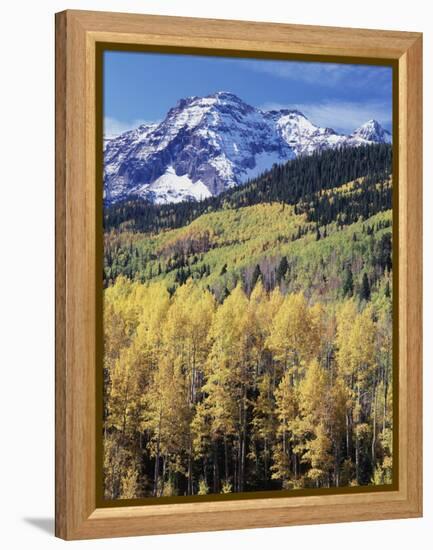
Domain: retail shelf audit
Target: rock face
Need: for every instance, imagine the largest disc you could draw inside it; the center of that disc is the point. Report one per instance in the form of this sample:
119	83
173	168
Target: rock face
208	144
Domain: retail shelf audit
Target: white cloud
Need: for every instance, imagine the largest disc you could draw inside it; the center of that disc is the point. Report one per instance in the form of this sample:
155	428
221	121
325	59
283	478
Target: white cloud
325	74
114	127
342	116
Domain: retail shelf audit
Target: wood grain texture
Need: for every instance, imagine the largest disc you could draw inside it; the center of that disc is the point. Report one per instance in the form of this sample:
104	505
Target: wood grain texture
411	283
60	392
245	35
75	288
77	32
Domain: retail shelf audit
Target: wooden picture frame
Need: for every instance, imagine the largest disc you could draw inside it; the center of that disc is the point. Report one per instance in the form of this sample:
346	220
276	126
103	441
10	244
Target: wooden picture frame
78	34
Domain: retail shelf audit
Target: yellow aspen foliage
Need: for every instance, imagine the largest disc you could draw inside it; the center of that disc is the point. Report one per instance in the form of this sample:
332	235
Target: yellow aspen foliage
286	407
258	391
295	334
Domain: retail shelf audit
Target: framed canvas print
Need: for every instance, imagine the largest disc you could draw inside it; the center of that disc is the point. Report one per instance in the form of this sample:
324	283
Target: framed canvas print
238	274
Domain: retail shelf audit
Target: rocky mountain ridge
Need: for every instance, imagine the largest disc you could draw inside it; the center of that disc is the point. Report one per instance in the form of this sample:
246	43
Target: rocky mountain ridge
206	145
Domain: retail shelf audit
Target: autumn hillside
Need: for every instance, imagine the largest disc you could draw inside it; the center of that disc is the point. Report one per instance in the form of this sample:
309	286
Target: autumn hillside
267	240
248	338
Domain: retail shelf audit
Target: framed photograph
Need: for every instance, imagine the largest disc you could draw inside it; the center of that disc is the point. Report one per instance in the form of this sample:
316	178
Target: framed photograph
238	274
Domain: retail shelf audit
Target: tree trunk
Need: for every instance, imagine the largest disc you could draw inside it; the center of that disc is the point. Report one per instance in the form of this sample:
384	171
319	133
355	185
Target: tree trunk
156	471
385	397
215	468
190	487
348	437
357	458
164	464
373	440
226	461
244	437
235	470
357	438
337	464
205	469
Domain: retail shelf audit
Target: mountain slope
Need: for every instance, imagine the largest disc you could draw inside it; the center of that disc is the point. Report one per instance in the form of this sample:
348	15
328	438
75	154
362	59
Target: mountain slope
219	249
290	183
206	145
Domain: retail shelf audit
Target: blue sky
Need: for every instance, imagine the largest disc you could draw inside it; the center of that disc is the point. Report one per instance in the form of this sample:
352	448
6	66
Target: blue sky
142	87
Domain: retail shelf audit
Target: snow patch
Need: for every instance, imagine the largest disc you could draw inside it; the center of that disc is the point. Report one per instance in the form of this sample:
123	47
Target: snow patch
264	161
171	188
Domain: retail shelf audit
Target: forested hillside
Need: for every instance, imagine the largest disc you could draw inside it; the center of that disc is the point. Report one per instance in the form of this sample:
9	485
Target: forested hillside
248	337
299	179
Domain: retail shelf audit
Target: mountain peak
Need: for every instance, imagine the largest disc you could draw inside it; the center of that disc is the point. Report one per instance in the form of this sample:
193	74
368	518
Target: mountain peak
372	123
219	96
222	94
372	130
184	101
284	112
207	144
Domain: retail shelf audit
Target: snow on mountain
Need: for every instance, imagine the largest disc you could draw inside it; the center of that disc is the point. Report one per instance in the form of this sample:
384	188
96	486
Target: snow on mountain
372	131
301	134
208	144
173	188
